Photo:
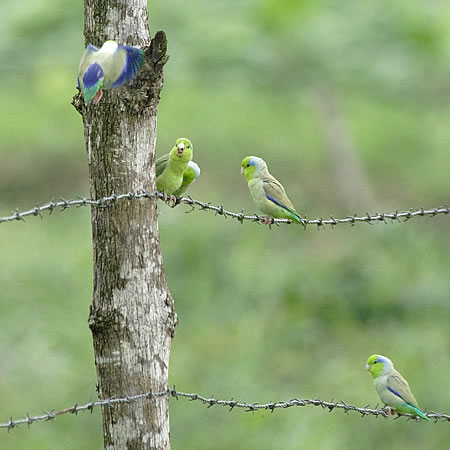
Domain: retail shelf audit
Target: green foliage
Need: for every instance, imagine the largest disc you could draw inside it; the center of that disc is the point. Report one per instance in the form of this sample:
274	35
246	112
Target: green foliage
264	315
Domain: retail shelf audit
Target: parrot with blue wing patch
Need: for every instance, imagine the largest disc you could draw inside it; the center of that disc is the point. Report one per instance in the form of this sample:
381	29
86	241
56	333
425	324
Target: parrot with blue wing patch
392	388
175	171
267	192
109	67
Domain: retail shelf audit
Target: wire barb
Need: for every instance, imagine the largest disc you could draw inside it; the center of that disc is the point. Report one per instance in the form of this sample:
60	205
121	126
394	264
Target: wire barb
211	401
221	211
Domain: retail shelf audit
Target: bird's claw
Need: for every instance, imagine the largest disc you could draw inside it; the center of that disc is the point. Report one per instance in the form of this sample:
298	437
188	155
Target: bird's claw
171	200
266	220
98	96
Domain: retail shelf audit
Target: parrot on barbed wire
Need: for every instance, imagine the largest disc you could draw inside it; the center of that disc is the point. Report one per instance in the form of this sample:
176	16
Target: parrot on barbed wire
392	388
109	67
267	192
189	176
175	171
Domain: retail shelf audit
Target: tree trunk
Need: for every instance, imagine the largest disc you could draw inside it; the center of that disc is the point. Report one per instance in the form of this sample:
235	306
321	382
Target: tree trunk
352	186
132	317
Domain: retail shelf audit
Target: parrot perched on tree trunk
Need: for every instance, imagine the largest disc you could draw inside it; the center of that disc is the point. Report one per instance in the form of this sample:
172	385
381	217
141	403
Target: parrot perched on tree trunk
109	67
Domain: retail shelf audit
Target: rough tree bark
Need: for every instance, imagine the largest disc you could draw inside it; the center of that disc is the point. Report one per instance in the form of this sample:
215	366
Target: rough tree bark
132	316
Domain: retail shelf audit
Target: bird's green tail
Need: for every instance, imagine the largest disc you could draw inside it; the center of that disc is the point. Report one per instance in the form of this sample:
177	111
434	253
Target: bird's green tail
89	93
293	215
419	412
297	218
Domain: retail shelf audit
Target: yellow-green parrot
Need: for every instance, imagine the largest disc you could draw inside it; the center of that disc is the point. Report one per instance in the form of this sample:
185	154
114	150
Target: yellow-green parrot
267	192
175	171
392	388
109	67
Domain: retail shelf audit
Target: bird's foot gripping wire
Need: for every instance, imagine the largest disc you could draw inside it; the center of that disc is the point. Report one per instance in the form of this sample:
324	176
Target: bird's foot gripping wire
266	220
171	200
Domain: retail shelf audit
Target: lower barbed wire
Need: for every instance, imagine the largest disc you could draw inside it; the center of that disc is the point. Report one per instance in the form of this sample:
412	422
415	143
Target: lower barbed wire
211	401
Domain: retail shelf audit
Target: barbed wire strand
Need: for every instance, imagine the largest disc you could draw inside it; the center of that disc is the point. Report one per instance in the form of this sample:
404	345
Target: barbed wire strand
211	401
220	210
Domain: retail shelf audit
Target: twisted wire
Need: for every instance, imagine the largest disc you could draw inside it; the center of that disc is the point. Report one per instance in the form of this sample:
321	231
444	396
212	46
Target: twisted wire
399	216
211	401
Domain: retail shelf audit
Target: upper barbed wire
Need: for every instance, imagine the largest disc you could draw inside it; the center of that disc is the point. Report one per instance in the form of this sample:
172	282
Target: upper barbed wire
211	401
220	210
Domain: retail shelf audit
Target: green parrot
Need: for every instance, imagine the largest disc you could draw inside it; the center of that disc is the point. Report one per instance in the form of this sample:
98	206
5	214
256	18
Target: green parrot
189	176
392	388
267	192
109	67
175	171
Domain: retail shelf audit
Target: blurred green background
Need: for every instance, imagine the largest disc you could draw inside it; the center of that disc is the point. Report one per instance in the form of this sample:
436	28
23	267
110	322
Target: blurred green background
348	103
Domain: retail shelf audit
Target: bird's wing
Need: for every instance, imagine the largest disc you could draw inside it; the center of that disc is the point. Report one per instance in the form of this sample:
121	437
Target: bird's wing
161	164
399	387
130	60
194	170
189	176
275	192
86	59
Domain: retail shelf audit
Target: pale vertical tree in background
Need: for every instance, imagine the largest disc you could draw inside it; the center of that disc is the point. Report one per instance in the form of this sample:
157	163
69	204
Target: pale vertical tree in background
353	188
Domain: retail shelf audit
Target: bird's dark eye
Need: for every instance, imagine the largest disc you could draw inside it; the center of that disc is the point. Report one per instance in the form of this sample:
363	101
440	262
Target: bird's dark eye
248	165
375	362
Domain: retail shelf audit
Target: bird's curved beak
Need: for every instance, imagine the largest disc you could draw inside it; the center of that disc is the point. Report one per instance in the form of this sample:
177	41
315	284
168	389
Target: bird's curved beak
367	367
180	148
242	171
